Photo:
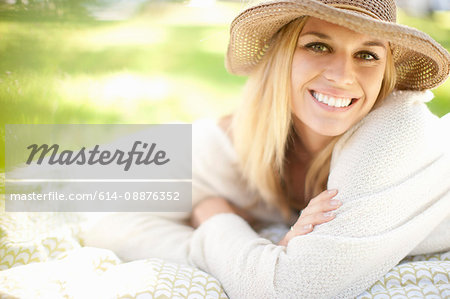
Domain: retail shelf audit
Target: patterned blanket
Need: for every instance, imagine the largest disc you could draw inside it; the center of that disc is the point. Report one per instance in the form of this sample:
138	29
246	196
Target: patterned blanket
41	256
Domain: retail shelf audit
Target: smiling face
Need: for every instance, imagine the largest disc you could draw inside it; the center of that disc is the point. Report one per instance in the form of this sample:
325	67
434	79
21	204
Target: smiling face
336	78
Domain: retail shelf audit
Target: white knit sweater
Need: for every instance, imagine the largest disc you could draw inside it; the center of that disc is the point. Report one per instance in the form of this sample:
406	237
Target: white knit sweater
392	171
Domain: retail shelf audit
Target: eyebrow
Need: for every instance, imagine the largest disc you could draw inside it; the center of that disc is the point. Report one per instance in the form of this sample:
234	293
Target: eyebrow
373	43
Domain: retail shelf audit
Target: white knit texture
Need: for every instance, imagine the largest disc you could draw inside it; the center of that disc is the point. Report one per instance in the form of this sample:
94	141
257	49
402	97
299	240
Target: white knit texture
392	171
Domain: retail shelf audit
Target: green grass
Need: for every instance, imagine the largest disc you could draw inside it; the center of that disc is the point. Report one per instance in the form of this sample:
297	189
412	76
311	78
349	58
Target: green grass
52	77
164	65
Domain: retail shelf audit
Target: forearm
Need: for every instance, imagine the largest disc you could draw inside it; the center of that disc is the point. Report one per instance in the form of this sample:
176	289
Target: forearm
215	205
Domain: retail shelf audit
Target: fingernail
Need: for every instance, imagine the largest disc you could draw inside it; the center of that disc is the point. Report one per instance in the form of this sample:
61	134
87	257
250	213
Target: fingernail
328	214
335	202
332	191
307	227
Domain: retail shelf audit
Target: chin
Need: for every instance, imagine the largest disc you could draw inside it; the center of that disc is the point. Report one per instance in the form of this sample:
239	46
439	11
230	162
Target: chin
331	130
332	133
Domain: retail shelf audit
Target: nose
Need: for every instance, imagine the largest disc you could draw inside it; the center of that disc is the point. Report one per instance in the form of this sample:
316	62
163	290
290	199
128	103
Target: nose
340	70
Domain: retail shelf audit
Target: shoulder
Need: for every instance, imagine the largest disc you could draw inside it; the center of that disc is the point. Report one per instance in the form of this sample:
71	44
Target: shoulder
402	116
212	131
224	124
213	137
389	145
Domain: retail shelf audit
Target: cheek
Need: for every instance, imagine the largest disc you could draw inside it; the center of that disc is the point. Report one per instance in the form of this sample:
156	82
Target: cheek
298	70
371	81
303	68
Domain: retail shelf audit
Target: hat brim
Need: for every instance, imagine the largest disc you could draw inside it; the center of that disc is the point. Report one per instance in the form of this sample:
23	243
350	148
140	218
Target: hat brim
420	61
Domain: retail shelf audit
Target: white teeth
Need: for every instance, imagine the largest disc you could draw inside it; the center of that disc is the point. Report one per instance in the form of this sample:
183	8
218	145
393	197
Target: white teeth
332	101
320	97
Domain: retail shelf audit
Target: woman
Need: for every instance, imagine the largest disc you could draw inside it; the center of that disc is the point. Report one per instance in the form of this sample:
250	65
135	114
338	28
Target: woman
337	76
316	69
322	131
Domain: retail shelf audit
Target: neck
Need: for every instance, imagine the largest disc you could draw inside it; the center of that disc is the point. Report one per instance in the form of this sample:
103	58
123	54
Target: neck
310	141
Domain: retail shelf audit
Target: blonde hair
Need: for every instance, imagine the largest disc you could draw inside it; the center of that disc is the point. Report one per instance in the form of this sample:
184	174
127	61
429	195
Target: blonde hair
262	127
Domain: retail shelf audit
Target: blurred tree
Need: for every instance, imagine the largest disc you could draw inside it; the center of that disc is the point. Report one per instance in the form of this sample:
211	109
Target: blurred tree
49	9
423	7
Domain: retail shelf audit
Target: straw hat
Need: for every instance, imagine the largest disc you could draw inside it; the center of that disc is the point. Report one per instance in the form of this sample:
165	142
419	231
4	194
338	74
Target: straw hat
421	62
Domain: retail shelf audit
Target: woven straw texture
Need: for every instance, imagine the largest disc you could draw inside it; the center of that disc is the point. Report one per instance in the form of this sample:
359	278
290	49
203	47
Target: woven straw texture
420	61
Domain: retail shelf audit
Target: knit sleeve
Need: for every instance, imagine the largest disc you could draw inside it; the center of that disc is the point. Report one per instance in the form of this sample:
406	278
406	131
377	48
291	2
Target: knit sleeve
393	195
318	265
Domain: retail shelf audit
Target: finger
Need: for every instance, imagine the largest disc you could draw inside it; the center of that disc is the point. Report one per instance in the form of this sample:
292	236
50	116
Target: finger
327	194
322	203
300	230
322	206
306	229
306	224
315	219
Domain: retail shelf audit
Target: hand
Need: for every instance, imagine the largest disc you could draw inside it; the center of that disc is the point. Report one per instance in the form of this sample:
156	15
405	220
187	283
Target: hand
216	205
319	210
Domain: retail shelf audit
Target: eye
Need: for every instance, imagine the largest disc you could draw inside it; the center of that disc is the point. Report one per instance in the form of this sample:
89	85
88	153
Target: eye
318	47
367	56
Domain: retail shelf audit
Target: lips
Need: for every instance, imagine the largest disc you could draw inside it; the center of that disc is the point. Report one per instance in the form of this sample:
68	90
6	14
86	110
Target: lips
330	101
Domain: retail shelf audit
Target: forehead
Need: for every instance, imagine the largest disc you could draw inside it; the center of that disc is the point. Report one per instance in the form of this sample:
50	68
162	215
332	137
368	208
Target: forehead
334	31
